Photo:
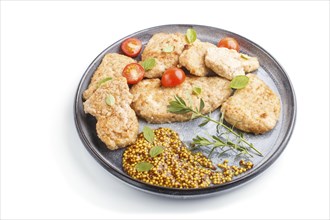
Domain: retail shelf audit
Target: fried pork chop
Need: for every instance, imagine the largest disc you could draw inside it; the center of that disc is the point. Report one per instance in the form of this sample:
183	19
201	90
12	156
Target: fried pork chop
151	99
112	65
117	125
255	108
164	60
229	63
250	64
193	58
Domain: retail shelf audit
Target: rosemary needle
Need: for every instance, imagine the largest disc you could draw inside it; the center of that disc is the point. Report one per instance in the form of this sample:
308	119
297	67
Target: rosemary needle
179	106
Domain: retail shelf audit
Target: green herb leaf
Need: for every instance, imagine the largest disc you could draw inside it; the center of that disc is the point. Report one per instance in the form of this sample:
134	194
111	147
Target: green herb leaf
110	100
177	110
148	64
103	81
203	123
148	134
201	105
201	141
168	49
178	106
194	115
180	100
244	56
197	90
156	150
143	166
191	35
239	145
239	82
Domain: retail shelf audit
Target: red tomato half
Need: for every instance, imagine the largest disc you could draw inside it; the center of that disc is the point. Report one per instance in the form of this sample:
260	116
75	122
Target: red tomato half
173	77
133	72
131	47
229	43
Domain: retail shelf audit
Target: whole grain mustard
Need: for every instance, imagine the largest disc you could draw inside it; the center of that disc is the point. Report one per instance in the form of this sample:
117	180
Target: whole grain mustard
176	166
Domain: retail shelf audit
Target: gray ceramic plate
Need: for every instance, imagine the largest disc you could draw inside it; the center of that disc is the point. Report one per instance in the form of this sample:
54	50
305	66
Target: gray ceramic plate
270	144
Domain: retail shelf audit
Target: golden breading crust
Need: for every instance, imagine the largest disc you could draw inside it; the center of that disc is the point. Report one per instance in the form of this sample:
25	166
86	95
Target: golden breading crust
112	65
117	125
255	108
193	58
151	99
229	63
250	64
164	60
224	62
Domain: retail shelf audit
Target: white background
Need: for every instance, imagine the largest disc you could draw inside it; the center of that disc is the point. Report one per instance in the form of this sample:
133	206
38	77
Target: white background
46	171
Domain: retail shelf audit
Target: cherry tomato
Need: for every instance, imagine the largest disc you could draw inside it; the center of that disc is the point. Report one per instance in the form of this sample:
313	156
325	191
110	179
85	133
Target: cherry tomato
173	77
229	43
131	47
133	72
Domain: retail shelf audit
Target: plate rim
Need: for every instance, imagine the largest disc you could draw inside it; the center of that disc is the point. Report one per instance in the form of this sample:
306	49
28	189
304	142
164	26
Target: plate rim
174	192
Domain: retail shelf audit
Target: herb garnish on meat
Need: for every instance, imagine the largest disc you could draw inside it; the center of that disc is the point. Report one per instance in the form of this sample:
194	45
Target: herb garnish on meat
239	144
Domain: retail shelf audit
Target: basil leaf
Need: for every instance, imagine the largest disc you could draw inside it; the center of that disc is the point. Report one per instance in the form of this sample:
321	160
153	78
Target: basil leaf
148	134
197	90
155	151
110	100
148	64
191	35
168	49
239	82
143	166
103	81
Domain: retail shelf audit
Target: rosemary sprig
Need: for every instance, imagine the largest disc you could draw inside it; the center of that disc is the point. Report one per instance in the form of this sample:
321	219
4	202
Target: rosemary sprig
179	106
225	145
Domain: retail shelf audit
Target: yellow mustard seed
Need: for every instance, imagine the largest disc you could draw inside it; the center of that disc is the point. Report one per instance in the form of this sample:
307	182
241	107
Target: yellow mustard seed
176	166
